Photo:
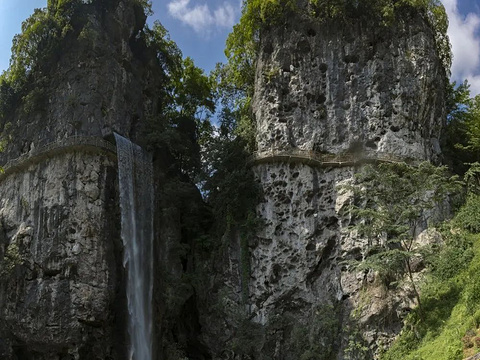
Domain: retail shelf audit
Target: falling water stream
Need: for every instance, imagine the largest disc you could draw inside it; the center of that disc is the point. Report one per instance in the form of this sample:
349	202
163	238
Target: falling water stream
135	181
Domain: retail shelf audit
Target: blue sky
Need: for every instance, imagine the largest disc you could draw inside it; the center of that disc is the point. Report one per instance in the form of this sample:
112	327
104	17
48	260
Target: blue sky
200	28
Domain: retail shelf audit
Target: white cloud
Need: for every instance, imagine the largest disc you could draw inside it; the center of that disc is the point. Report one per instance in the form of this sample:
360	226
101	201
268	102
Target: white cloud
464	33
200	17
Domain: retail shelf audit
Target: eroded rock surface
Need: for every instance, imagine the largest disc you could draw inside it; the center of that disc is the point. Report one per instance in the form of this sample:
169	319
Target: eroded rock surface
61	263
101	81
62	295
333	88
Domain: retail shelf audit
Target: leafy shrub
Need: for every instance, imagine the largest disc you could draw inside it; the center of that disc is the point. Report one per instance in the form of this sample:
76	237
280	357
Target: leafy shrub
471	291
317	340
469	215
453	257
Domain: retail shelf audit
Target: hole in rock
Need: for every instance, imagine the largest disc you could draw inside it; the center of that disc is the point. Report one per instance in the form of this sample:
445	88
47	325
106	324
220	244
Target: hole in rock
371	144
351	58
303	47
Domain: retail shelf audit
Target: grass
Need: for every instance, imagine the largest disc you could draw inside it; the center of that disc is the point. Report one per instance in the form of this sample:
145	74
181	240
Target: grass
449	326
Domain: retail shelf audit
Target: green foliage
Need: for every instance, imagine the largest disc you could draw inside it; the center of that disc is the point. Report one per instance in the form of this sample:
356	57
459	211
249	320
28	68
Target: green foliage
215	158
450	297
472	178
245	263
8	96
37	47
356	348
468	216
187	101
166	50
471	291
63	9
33	51
241	46
11	260
449	308
448	260
147	6
393	203
33	47
462	134
229	185
393	198
193	90
247	338
235	98
39	40
472	123
173	351
318	339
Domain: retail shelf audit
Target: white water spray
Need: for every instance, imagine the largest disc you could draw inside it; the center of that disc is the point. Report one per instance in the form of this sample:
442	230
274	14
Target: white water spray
135	181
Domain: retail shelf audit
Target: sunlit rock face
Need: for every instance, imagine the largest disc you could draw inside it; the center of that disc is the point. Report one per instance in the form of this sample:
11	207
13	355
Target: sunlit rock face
334	88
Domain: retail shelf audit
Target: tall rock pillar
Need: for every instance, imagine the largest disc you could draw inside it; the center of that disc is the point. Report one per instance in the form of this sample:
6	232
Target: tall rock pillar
62	288
335	91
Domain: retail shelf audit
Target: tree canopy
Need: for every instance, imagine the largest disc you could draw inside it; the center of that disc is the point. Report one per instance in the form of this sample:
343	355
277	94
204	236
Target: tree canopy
462	134
394	202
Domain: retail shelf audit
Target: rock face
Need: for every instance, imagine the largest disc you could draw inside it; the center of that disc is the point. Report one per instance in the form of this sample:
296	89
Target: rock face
62	281
326	88
62	292
96	86
61	260
333	88
336	87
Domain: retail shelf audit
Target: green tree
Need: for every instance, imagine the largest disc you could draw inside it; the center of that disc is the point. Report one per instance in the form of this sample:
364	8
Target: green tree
393	203
462	134
229	184
186	100
472	123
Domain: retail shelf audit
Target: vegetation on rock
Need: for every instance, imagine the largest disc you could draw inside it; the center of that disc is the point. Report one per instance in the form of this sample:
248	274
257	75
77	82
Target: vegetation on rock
391	199
393	203
462	134
242	43
450	296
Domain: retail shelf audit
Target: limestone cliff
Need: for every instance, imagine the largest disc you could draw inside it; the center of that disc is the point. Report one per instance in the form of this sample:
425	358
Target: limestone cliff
337	87
59	218
345	89
329	95
92	85
62	292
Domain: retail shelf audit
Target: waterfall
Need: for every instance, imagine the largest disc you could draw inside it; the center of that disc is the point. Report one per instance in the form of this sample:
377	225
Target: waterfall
135	182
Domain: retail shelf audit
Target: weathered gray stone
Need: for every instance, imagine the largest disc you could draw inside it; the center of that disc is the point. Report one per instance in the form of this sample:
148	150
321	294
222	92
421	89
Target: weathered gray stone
338	88
62	285
98	84
63	297
335	87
